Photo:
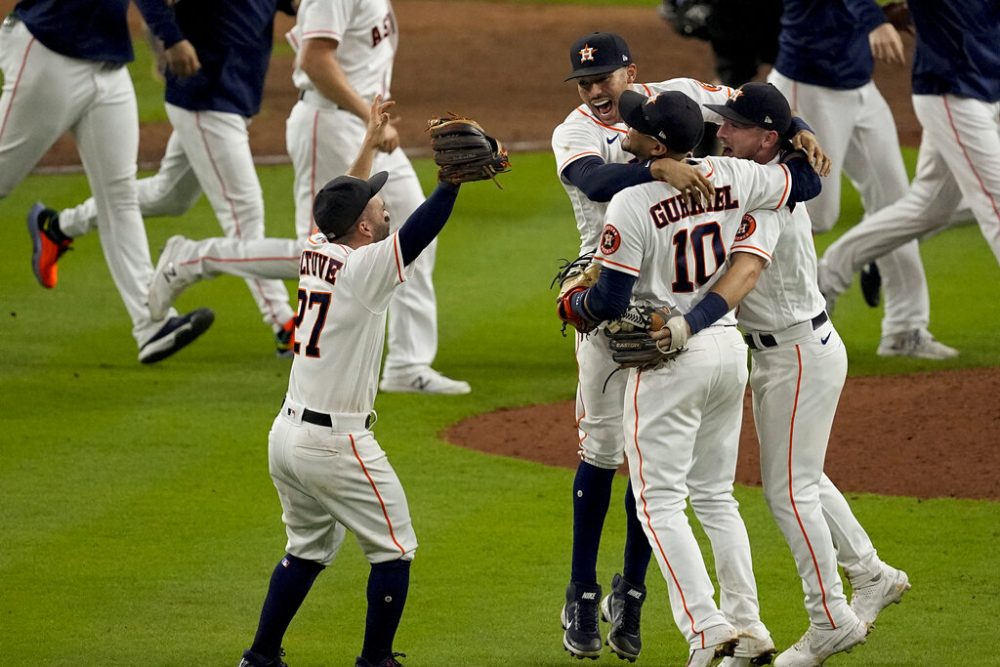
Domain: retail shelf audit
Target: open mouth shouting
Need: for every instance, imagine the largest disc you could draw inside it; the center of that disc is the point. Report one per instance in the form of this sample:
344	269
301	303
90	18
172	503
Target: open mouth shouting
605	109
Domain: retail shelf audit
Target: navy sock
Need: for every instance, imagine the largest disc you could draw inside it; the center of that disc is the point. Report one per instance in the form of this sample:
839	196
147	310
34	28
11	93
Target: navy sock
387	587
637	548
290	583
591	497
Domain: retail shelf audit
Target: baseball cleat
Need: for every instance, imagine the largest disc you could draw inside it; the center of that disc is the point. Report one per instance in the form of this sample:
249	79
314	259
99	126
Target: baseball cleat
423	381
622	608
251	659
754	648
719	642
876	594
917	343
582	636
389	661
871	284
169	279
175	335
818	644
284	340
45	252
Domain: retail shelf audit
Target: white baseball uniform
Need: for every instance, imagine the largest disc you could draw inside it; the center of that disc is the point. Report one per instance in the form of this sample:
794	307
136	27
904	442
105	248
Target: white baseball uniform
335	476
799	368
95	101
600	390
682	421
323	140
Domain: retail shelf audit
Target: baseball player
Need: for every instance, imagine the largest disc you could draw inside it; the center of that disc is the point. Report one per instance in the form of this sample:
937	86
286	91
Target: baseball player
330	473
956	95
799	368
209	148
593	166
824	68
64	70
660	248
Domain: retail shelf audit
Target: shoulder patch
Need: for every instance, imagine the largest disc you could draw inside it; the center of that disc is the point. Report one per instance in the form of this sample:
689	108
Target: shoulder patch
747	227
710	87
610	239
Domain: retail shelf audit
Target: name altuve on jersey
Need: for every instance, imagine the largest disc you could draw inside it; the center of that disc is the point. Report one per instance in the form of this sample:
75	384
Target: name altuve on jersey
677	207
317	264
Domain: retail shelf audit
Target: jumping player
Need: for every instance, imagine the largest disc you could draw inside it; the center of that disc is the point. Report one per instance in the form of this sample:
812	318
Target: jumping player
682	421
64	70
209	148
824	69
956	94
330	473
593	166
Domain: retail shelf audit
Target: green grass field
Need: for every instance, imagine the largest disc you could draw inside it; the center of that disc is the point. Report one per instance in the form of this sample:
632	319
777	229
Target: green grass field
140	526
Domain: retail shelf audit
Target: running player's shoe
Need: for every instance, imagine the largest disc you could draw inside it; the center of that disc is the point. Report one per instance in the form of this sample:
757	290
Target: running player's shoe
251	659
45	249
423	381
387	662
582	636
918	343
872	596
818	644
753	648
284	340
170	278
720	641
870	282
175	335
622	608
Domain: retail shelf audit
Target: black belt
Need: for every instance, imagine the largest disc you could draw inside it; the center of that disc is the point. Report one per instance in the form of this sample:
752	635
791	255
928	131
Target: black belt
321	418
302	95
767	340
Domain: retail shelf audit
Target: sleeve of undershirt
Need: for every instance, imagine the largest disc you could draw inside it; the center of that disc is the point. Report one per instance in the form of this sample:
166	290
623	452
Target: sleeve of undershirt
426	222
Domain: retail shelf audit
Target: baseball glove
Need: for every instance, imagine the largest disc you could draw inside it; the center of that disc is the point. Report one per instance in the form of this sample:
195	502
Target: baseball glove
464	152
573	277
631	344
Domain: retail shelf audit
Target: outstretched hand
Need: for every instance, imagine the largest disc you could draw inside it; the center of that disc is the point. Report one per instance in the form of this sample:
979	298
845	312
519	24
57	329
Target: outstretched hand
378	122
684	177
806	142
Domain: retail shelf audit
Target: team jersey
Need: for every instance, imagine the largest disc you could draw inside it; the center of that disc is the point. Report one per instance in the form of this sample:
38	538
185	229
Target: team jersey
340	325
675	250
366	35
786	292
582	135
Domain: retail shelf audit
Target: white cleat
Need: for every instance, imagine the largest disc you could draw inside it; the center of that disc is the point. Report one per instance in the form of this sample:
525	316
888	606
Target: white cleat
170	278
719	642
918	343
872	597
818	644
423	381
752	650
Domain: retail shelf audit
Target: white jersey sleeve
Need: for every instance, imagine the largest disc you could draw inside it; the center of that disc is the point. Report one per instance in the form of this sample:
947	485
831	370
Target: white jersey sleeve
702	93
759	232
374	271
758	186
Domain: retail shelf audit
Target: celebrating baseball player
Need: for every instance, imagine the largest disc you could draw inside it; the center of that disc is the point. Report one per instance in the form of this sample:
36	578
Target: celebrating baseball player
824	68
683	443
64	70
209	148
330	473
799	368
592	167
956	95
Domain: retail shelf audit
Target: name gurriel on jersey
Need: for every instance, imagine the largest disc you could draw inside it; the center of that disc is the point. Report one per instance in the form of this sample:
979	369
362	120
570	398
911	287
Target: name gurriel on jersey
317	264
677	207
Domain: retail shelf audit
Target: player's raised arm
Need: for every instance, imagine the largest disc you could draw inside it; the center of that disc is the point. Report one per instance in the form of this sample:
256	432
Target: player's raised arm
378	121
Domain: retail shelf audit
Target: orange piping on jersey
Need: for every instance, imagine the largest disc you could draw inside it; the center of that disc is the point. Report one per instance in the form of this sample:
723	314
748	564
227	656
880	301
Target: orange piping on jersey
649	91
791	493
224	260
17	82
753	248
645	506
378	495
623	266
788	187
574	157
958	140
711	168
312	174
321	33
604	125
398	256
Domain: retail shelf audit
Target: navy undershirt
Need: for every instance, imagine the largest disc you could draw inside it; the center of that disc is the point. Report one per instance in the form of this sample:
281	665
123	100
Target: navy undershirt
424	223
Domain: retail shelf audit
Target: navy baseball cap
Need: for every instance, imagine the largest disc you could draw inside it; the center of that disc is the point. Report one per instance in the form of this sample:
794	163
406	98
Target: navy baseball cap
598	53
339	204
759	105
672	117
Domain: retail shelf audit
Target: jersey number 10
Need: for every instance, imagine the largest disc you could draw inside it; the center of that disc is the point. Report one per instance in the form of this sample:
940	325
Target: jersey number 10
682	279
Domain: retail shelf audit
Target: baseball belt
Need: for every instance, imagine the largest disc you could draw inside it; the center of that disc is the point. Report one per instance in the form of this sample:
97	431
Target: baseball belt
344	422
767	340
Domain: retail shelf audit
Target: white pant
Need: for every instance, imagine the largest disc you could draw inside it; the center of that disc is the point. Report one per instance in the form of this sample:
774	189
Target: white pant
958	158
857	131
682	428
796	388
332	479
46	94
323	144
210	151
600	401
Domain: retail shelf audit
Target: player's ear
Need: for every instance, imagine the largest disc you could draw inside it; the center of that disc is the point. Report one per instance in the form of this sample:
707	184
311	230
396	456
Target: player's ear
630	72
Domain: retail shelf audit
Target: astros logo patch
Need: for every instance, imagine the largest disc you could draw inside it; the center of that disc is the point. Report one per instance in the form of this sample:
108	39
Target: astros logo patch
587	53
610	239
747	227
710	87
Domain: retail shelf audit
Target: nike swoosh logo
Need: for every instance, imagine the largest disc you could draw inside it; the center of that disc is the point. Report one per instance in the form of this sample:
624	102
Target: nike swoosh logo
825	338
612	140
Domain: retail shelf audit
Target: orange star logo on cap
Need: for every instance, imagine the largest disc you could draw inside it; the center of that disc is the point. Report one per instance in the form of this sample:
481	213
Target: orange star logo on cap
736	94
587	53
